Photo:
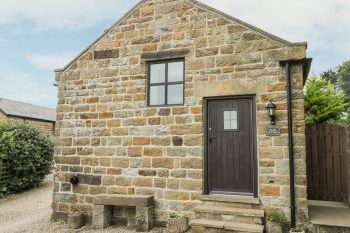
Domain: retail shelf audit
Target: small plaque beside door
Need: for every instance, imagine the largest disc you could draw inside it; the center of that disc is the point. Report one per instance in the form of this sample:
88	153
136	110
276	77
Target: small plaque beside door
273	131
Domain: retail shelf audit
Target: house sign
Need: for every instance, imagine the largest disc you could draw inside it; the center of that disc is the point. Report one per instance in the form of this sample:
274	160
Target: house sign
273	131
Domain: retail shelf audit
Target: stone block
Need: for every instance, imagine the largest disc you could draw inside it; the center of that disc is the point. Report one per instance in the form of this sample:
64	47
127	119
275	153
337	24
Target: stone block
105	54
101	217
144	218
153	152
75	221
177	141
162	163
124	200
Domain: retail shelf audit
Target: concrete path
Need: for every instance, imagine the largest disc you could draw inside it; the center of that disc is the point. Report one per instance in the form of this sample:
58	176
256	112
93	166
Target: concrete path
19	212
330	216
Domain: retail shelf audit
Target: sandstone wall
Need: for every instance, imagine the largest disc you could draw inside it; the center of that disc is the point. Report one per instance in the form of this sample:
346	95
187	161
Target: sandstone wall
46	127
2	116
107	134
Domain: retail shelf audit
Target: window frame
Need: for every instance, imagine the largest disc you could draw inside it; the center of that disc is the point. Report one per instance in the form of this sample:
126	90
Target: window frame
166	83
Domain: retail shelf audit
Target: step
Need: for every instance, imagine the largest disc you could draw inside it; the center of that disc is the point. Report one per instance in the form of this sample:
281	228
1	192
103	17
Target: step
232	199
229	211
240	227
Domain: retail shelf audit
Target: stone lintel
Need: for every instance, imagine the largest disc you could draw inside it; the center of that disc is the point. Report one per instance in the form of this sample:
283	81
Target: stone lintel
174	53
124	200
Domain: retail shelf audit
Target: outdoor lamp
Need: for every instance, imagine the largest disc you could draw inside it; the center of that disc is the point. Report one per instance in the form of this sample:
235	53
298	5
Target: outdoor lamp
271	111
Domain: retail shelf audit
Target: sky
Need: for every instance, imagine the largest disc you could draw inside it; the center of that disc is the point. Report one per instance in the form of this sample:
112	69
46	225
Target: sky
38	36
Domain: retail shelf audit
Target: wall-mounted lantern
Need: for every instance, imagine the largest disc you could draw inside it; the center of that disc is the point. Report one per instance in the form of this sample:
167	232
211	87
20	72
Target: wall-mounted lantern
271	111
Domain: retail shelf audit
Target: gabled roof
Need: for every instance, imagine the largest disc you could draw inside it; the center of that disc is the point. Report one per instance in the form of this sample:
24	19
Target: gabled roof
196	4
20	109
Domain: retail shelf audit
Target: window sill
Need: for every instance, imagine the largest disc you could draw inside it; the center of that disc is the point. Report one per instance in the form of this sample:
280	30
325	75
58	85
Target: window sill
164	106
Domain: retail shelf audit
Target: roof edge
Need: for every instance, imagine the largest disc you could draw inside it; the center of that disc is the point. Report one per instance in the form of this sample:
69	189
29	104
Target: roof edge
31	118
198	4
259	30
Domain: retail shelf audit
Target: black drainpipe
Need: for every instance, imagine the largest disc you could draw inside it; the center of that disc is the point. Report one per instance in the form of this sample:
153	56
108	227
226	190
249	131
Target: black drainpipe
306	68
290	144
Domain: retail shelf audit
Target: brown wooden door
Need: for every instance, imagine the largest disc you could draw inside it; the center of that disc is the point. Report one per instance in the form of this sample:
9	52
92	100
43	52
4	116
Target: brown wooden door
231	166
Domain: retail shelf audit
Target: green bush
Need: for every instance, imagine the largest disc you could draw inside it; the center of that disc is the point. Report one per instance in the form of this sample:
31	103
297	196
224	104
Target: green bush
28	155
277	217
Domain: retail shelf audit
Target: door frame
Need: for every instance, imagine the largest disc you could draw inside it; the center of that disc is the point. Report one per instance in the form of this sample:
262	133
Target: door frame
206	101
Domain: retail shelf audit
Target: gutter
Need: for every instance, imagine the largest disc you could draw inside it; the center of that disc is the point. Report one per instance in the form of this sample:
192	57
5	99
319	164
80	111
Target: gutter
306	63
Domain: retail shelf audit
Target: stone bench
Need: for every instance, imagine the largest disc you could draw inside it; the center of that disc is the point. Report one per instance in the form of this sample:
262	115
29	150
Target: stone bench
103	210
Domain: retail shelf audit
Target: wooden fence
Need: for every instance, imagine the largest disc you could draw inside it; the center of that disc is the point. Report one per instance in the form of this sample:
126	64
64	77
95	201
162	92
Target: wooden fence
328	155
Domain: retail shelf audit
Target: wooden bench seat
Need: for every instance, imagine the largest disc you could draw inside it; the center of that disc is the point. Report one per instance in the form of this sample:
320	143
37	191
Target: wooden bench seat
103	210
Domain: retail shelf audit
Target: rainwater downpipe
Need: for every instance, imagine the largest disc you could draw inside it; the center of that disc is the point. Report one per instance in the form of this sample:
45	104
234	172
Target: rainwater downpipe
306	63
290	143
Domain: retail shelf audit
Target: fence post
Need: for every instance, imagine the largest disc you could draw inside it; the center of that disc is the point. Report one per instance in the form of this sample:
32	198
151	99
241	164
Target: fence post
347	155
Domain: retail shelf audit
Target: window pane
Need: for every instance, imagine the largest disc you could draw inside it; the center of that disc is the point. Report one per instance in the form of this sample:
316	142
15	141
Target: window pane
157	95
234	115
175	72
234	124
157	73
227	124
227	115
175	94
230	120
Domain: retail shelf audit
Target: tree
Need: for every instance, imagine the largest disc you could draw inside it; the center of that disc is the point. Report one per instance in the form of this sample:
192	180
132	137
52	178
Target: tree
340	78
331	76
322	102
344	79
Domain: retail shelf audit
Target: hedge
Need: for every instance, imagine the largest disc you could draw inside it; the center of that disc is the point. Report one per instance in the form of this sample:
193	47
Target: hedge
27	154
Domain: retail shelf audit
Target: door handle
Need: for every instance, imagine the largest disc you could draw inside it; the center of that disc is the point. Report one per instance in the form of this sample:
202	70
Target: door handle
211	139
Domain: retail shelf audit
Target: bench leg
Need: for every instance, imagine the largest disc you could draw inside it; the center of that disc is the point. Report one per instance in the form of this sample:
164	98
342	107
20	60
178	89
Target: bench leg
144	218
101	217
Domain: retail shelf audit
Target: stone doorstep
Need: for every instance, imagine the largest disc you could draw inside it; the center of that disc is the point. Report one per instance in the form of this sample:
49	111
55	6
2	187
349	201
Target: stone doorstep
232	198
243	227
124	200
327	204
229	211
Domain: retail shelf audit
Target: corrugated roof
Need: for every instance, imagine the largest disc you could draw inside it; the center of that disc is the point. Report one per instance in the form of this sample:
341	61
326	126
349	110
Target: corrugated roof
20	109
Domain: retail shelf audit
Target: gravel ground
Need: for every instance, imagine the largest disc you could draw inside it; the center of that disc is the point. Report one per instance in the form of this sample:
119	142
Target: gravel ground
30	212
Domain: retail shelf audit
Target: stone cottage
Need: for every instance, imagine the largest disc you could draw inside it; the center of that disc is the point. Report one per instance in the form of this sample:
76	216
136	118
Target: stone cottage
170	104
41	117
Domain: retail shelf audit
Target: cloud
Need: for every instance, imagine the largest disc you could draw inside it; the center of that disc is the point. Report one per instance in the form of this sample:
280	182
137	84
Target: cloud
28	88
60	14
49	61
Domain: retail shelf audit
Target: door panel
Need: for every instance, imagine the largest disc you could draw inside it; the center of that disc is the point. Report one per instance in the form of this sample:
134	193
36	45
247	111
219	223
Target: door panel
231	146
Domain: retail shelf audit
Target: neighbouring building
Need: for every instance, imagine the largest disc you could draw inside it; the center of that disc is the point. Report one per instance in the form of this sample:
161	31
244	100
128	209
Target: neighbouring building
171	102
41	117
